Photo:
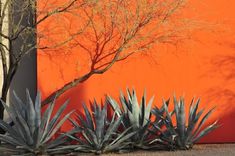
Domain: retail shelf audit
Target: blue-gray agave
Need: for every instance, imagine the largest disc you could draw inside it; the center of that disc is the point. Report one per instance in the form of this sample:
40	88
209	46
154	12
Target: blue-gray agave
33	131
157	125
98	134
135	115
184	134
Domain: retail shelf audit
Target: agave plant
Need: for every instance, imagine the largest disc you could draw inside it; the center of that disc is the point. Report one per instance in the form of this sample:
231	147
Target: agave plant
135	116
97	133
184	134
33	132
157	125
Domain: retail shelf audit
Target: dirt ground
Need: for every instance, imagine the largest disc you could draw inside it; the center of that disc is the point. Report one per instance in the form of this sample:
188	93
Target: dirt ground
198	150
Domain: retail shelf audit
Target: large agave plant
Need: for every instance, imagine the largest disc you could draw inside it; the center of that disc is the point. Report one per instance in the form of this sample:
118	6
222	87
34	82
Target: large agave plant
97	133
135	115
33	132
185	134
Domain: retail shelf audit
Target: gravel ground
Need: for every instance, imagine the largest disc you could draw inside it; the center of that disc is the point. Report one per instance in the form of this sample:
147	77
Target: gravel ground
198	150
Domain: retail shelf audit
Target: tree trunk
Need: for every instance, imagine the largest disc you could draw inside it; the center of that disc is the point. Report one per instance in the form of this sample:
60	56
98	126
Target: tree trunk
3	98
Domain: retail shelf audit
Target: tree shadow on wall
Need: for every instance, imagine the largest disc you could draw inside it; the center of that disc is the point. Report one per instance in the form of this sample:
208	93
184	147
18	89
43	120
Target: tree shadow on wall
75	96
224	67
225	133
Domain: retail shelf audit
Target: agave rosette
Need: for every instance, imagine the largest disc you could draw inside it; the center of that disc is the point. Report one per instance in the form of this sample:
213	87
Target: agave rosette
135	115
33	132
184	134
97	134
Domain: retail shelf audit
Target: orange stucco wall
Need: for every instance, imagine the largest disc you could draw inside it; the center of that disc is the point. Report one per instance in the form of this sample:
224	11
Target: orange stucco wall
202	66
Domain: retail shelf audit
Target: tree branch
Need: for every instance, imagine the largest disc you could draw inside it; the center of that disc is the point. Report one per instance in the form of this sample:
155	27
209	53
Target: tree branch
128	26
58	10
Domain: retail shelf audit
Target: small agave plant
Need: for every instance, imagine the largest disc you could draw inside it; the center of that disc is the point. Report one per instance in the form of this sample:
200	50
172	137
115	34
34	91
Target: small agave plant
33	133
135	115
185	134
98	134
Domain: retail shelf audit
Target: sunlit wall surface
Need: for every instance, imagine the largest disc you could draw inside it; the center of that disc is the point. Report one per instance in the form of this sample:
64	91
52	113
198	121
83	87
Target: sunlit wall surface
201	65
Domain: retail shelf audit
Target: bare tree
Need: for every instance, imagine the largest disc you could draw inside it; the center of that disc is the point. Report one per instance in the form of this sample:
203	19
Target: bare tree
108	31
116	30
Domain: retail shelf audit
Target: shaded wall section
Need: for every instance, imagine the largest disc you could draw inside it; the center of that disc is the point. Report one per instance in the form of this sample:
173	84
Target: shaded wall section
196	67
26	75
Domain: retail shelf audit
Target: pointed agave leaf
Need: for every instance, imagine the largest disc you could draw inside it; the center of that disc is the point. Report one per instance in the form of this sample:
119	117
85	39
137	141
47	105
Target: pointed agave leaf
129	95
148	111
61	150
20	104
45	121
194	110
87	138
144	131
10	140
132	120
168	116
135	109
162	109
122	137
176	106
157	113
14	134
125	103
56	117
192	124
26	129
206	131
112	128
114	105
100	123
88	117
203	121
20	123
41	132
93	137
191	110
123	141
170	133
38	109
57	127
81	120
143	104
142	112
181	120
31	114
74	138
75	124
6	139
12	114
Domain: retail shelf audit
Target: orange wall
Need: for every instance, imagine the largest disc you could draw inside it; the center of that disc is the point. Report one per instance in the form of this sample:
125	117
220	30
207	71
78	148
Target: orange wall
201	67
